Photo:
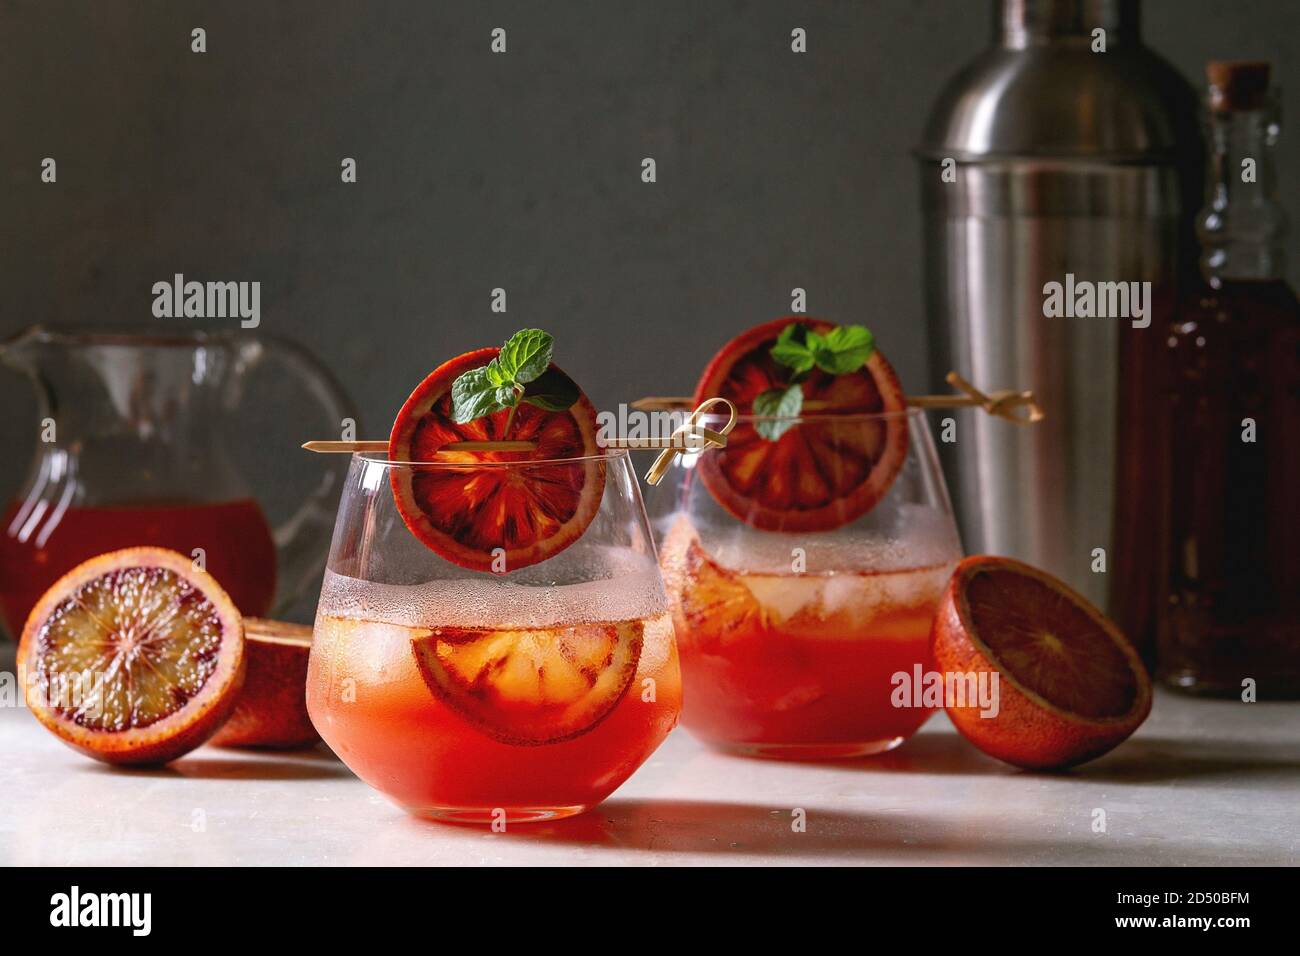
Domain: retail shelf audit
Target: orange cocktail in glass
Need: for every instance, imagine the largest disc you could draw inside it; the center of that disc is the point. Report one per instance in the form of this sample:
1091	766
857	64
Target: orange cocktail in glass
493	641
492	697
443	759
805	664
805	560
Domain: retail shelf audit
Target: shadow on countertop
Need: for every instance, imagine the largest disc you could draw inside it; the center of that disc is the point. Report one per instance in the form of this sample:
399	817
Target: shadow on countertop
213	763
737	830
1138	760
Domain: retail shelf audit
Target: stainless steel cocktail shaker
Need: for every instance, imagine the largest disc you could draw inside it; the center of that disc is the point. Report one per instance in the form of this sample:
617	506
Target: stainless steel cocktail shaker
1059	151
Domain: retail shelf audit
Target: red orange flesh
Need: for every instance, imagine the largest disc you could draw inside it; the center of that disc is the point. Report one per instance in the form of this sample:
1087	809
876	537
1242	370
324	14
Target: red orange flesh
1070	685
133	657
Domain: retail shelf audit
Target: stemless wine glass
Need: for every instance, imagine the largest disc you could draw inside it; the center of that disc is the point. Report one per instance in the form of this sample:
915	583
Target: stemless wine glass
804	571
475	696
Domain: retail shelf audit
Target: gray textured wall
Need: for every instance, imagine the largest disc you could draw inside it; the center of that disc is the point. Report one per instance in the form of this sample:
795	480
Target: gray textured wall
475	171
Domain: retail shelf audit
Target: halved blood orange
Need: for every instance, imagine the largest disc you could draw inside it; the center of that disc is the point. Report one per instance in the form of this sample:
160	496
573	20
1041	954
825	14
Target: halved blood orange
471	506
531	686
271	710
821	473
133	657
1070	685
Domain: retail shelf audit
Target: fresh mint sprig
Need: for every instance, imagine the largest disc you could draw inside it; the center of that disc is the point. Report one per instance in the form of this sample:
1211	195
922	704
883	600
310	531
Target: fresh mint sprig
840	351
778	403
521	372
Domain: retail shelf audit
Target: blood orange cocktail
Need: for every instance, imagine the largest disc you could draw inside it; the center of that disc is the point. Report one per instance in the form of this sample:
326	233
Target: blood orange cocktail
806	558
786	664
482	697
493	641
451	753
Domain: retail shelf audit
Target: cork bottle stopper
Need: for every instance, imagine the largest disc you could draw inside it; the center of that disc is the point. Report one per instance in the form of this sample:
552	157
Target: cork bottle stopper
1237	84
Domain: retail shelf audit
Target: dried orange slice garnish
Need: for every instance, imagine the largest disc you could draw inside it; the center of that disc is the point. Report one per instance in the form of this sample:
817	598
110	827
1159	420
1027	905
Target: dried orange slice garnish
821	473
469	509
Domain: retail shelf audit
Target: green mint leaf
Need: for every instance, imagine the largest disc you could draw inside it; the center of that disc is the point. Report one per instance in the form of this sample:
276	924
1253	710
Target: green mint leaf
552	390
792	351
496	375
843	349
525	358
776	403
795	333
473	395
526	355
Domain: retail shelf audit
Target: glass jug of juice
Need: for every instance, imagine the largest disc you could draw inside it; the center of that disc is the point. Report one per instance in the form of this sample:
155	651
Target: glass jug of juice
133	448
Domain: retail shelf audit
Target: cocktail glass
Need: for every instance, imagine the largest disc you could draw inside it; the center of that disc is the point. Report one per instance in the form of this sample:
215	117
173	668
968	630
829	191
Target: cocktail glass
474	696
808	643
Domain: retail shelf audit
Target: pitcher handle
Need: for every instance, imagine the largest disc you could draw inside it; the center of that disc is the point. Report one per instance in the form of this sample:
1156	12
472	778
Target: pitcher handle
302	540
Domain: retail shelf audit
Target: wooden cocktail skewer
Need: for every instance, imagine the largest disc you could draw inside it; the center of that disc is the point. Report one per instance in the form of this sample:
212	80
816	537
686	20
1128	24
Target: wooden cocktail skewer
1002	403
379	447
690	437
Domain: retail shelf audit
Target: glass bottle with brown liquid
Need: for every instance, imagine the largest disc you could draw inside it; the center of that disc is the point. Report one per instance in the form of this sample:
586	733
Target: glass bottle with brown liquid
1231	614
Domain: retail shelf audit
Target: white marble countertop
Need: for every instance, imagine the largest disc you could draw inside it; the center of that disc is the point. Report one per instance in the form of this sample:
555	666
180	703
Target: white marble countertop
1202	782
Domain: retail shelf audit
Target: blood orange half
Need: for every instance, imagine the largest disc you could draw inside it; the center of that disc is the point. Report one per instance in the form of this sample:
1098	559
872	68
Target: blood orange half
272	707
824	472
1070	686
133	657
472	507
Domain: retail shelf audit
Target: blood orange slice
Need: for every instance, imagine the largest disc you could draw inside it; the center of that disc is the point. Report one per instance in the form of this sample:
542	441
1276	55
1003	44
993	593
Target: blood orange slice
1070	686
133	657
715	608
827	470
723	628
474	510
531	686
